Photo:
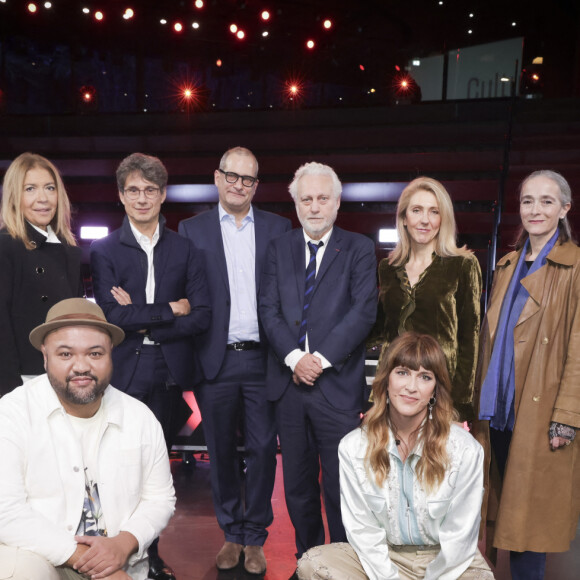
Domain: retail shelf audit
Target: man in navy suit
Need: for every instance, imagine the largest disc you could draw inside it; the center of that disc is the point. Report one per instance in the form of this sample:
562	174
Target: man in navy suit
150	281
233	238
317	304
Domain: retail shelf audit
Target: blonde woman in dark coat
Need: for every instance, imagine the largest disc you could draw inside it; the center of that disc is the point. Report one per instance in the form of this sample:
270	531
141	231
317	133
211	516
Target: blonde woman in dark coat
39	260
429	285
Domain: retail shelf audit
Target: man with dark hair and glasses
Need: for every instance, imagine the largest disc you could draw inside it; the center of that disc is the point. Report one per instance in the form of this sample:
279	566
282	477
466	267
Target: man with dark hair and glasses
233	238
150	282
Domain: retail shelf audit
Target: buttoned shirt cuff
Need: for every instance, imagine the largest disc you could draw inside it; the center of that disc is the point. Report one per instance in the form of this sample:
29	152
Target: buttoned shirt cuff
325	363
293	357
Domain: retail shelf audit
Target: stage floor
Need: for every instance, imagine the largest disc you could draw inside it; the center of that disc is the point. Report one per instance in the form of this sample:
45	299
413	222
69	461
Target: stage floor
193	538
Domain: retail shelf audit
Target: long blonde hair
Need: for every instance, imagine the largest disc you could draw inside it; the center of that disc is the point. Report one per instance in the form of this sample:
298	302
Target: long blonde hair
12	189
411	350
446	244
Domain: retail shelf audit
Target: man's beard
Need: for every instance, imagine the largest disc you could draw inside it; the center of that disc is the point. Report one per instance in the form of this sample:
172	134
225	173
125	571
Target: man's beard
82	396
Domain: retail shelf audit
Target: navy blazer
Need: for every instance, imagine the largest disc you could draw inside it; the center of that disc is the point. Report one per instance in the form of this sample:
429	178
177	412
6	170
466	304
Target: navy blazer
205	232
342	311
118	260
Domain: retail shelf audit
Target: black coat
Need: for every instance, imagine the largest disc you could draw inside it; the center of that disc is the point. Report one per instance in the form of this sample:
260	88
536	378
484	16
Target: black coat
31	282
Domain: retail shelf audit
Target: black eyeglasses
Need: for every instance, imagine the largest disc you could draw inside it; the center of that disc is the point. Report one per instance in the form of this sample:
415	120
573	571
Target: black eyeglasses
231	177
133	193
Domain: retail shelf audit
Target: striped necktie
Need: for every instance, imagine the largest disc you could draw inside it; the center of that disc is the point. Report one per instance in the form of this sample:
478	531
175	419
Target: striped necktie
308	288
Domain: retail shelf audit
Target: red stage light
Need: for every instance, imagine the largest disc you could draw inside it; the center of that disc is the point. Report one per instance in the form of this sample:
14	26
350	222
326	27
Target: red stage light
294	89
128	14
310	44
218	62
188	94
265	15
198	3
361	66
240	34
233	28
397	68
32	8
404	84
178	27
99	15
535	77
87	96
327	24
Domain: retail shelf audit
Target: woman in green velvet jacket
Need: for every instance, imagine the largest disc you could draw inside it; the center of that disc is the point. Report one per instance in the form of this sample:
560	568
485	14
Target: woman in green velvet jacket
429	285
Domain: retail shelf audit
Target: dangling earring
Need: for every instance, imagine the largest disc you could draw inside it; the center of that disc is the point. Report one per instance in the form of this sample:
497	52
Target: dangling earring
431	404
388	401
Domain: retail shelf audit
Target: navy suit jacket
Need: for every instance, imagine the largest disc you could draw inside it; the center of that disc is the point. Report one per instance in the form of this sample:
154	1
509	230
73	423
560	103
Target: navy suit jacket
118	260
205	232
341	313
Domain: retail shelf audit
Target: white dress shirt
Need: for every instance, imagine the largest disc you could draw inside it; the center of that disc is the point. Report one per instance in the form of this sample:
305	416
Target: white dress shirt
294	356
148	246
375	517
42	480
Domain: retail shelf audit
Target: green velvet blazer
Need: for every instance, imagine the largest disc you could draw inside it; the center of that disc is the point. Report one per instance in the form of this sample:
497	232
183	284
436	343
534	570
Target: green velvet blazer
444	303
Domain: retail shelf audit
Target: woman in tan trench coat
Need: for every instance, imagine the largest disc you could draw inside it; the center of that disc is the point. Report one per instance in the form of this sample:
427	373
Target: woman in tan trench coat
528	384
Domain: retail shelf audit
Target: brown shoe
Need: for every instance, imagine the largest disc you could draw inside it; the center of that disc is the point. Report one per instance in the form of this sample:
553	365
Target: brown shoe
255	561
229	556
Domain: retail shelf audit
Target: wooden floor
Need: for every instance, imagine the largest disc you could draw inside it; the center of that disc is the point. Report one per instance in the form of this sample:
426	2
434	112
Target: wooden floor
193	538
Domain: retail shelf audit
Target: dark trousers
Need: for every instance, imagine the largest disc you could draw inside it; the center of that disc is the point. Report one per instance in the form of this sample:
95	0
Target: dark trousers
310	429
523	565
243	506
153	385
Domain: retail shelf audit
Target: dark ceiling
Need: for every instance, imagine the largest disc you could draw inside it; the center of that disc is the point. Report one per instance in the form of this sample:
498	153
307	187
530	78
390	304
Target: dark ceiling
377	34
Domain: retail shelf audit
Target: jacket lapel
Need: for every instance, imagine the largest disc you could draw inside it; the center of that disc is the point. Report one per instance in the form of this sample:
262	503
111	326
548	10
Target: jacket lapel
330	254
127	238
299	261
161	255
216	241
261	245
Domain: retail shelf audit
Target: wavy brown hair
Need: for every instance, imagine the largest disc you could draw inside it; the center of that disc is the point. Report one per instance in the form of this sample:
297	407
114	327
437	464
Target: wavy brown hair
411	350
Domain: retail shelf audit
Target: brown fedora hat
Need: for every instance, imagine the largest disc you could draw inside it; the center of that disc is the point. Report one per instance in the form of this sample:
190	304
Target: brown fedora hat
75	312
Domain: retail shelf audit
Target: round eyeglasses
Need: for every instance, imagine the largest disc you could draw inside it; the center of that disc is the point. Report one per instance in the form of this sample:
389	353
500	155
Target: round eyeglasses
133	193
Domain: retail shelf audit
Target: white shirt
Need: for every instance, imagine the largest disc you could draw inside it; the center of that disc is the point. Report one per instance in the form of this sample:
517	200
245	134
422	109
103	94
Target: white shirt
148	245
374	516
294	356
42	482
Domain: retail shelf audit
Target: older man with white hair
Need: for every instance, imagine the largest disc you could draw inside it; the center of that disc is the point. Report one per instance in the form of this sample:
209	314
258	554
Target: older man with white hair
318	301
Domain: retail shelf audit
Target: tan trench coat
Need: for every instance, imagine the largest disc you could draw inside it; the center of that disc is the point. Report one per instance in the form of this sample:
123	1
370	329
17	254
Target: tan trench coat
538	507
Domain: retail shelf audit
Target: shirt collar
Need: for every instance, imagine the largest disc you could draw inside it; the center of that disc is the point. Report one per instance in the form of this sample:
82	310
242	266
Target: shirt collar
142	238
223	214
324	239
48	234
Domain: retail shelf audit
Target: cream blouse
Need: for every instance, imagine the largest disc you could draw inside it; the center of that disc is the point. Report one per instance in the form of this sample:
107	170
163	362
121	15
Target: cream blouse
375	517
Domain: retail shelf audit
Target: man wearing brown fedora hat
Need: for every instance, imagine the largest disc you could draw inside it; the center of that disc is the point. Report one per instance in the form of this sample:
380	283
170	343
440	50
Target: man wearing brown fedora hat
85	484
